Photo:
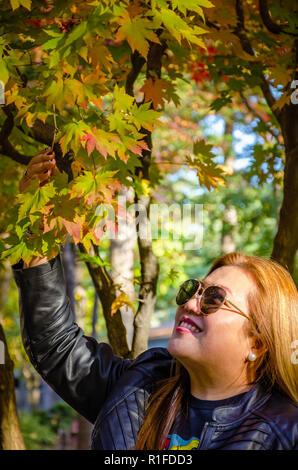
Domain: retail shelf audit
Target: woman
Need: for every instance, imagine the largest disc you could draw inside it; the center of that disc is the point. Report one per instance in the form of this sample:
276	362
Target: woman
226	381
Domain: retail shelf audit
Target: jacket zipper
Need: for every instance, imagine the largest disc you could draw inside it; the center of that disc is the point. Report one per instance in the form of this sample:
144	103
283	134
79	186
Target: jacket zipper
207	430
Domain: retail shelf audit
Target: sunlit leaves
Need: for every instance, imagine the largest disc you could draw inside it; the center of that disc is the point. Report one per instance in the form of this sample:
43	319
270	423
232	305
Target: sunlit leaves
209	173
66	65
17	3
4	74
155	90
191	5
95	187
33	200
137	32
179	28
73	132
122	300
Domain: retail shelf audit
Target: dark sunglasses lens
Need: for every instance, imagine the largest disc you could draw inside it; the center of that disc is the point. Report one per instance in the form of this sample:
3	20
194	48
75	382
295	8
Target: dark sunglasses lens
186	291
212	299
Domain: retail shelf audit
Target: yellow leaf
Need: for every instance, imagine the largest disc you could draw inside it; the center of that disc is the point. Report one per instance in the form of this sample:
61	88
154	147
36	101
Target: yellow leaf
120	301
137	32
14	4
26	4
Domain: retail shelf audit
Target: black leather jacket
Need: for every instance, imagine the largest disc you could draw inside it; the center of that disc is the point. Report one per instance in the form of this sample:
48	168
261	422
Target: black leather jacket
112	393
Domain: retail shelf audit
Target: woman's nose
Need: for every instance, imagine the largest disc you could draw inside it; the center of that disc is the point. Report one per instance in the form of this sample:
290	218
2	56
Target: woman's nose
193	305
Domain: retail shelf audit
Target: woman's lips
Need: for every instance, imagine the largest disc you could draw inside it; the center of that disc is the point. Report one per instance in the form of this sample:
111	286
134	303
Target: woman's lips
186	325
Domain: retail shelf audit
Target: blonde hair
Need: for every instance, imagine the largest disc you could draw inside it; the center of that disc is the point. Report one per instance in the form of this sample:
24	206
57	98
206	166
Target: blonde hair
273	307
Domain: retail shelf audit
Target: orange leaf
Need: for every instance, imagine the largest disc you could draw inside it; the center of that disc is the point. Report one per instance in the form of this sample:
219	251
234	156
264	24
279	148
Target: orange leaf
155	91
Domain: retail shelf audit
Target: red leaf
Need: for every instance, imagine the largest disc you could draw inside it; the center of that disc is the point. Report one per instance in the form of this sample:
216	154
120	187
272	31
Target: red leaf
90	143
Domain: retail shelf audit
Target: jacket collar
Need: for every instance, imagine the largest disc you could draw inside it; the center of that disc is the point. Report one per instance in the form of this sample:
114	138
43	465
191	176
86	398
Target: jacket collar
254	398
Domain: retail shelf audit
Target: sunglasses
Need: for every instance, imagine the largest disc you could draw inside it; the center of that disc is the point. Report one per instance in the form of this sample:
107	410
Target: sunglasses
212	297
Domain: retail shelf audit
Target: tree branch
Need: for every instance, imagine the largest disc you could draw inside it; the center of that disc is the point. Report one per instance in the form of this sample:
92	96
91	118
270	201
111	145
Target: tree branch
268	21
258	116
42	133
105	289
240	32
148	260
5	146
137	63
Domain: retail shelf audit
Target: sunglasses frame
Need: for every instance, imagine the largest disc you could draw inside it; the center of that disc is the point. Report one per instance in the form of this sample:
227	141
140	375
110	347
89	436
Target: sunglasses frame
201	285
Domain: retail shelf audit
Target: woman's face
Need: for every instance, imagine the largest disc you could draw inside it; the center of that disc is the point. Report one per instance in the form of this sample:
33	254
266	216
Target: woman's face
222	344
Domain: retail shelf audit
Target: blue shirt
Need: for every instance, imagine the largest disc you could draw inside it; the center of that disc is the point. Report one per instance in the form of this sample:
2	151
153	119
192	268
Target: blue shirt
188	429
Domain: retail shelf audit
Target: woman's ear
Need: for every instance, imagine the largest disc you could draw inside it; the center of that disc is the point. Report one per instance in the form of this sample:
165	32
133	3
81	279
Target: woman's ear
258	347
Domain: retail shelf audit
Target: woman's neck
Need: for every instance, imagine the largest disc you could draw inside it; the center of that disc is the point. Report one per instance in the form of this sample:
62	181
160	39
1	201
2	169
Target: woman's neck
217	387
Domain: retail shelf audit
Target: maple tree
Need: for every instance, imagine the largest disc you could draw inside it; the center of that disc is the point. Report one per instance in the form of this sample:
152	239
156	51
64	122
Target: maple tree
74	76
92	79
71	77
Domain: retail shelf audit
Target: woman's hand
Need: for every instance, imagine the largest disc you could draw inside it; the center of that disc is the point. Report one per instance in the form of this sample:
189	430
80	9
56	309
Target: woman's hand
41	166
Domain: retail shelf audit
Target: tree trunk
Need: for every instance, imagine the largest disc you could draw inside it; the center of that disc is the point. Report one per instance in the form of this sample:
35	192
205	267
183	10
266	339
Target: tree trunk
106	292
121	260
10	433
286	239
149	274
230	217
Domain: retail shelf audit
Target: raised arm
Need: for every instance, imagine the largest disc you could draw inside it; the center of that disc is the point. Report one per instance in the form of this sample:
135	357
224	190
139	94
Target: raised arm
79	369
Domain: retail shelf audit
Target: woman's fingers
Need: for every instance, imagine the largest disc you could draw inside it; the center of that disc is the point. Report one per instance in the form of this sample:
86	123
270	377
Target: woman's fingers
41	163
40	156
44	177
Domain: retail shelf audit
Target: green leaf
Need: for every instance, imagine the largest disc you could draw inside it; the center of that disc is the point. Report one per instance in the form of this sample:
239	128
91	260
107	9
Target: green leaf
76	33
137	32
72	134
33	201
51	43
179	28
144	116
93	260
191	5
4	75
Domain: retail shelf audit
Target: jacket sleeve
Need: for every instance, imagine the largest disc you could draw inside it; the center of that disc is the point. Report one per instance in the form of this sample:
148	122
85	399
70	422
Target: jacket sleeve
81	370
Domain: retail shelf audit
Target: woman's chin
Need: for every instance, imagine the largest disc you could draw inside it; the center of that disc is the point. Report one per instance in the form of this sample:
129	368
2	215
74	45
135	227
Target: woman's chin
177	347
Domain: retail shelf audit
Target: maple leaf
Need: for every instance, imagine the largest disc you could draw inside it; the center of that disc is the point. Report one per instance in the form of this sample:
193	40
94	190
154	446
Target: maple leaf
209	173
54	94
73	228
94	187
155	90
179	28
121	301
4	74
135	146
144	116
104	142
72	133
34	199
99	55
192	5
90	143
137	31
16	3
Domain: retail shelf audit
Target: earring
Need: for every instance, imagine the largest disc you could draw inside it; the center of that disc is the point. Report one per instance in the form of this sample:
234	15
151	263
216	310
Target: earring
252	357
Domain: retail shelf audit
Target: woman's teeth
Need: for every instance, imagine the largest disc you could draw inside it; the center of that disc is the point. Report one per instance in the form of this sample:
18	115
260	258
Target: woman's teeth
190	327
